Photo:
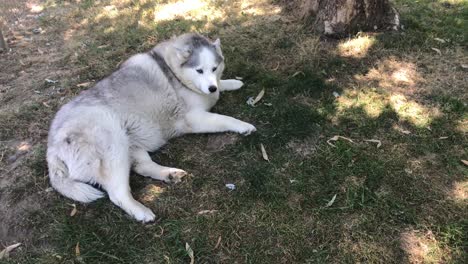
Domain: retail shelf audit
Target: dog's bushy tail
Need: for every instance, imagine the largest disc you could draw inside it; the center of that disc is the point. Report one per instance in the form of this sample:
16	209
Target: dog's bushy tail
61	181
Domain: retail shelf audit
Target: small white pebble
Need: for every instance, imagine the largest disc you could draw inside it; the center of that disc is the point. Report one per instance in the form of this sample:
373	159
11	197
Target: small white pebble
231	186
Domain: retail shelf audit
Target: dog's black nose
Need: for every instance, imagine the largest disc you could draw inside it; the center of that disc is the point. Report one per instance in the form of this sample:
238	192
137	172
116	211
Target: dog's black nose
212	88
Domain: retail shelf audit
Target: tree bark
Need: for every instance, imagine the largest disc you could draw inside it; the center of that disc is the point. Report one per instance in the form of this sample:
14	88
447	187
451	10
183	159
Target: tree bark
3	45
340	18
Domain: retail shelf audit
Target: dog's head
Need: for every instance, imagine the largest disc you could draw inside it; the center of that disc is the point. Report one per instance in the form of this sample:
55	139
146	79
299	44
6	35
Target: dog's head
197	62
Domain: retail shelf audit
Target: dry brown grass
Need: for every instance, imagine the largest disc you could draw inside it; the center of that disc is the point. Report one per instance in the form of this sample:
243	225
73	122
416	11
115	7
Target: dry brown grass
423	247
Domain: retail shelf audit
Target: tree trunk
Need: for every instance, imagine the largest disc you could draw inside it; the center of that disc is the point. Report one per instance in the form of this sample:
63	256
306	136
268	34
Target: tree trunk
340	18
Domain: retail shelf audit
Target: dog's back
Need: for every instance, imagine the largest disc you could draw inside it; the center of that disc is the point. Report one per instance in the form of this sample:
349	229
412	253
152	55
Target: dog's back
151	98
135	106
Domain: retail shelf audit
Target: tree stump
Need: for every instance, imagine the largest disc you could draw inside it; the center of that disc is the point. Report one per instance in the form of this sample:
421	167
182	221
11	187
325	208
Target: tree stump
339	18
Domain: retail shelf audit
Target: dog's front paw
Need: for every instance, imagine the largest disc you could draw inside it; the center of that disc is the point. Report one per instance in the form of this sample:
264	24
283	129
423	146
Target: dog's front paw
231	85
246	129
143	214
175	175
236	84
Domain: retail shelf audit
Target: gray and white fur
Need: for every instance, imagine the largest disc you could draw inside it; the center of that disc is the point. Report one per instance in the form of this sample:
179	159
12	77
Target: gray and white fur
105	131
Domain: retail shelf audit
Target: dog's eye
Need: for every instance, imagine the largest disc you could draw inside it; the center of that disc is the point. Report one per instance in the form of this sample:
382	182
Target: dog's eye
200	71
214	69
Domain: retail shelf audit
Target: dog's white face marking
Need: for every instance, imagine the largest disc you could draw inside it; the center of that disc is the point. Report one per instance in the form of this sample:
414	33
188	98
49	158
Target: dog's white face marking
204	76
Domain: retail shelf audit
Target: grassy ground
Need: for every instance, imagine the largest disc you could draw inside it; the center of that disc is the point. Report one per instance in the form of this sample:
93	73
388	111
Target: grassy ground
349	202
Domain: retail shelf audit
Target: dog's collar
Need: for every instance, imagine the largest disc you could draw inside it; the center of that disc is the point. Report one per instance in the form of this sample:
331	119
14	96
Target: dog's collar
171	76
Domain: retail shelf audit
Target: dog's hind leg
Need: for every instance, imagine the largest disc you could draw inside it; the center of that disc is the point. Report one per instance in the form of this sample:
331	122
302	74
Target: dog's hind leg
143	165
114	178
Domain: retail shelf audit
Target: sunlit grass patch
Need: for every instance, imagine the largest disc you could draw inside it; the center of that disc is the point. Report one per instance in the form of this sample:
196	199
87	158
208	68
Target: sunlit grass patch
374	102
393	75
151	193
459	191
462	125
423	247
412	111
356	47
370	100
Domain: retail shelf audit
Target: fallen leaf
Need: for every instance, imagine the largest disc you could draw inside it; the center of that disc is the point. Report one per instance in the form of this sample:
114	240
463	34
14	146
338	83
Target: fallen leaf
406	132
78	253
46	104
57	256
379	143
217	243
335	138
85	84
5	253
74	211
259	97
330	203
464	66
277	66
160	233
51	81
190	253
440	40
202	212
77	249
465	162
297	73
264	154
437	50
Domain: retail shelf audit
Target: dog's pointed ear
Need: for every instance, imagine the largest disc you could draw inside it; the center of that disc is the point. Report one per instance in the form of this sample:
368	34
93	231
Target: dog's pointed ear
217	43
184	52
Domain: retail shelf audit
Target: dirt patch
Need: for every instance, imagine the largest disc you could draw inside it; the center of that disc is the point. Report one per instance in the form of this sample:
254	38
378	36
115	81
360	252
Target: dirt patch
305	148
220	142
419	75
32	74
422	247
393	75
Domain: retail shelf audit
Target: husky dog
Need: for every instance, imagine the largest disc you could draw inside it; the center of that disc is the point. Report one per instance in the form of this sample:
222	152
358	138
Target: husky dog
98	136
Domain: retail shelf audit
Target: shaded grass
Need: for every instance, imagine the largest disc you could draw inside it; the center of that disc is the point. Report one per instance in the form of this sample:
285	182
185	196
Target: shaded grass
425	20
278	212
